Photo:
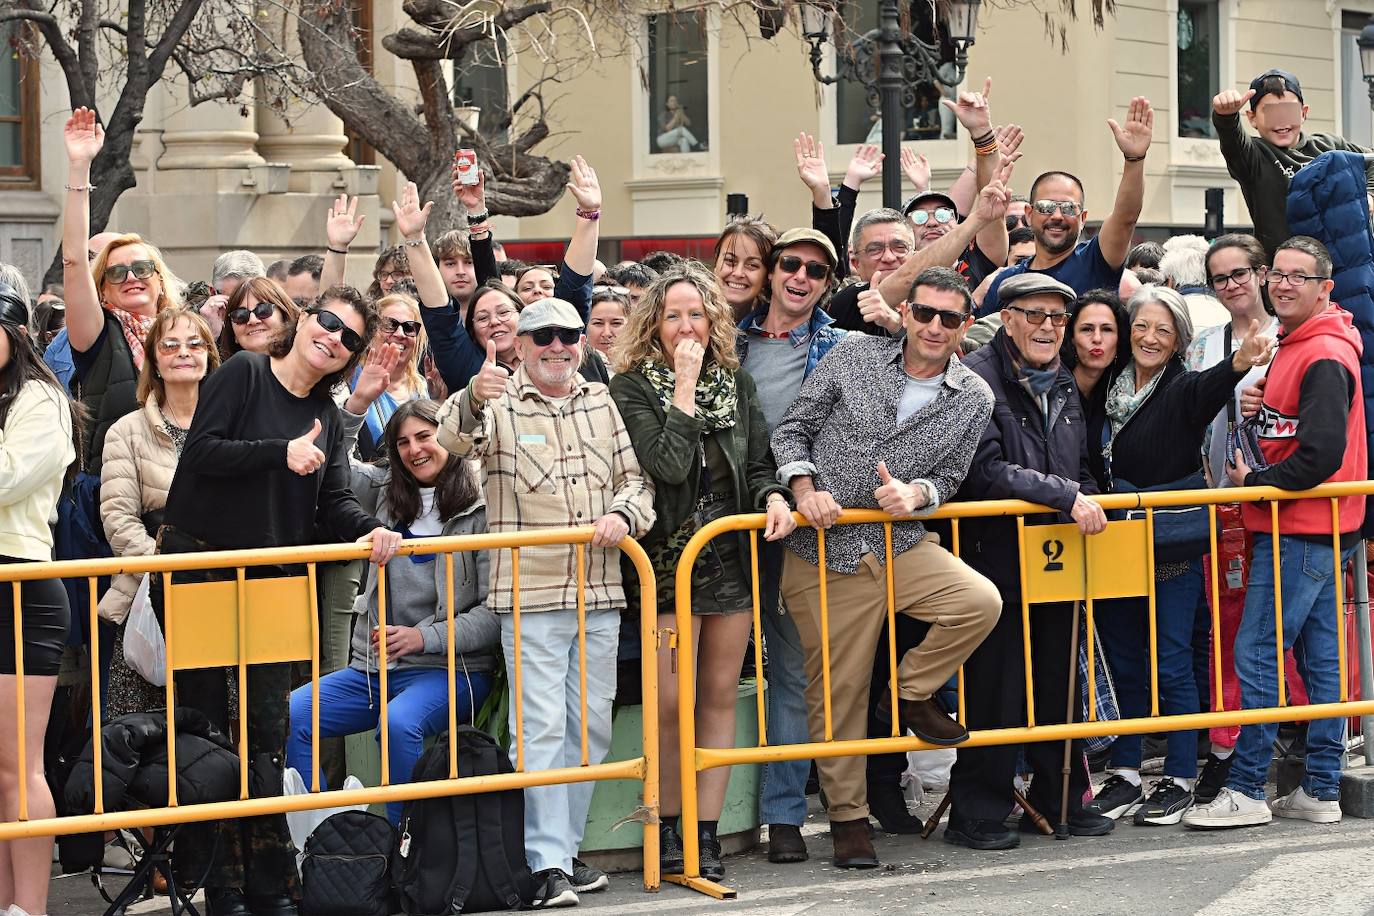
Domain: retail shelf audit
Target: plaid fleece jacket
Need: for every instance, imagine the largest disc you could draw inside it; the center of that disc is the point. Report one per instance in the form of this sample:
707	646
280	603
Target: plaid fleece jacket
550	465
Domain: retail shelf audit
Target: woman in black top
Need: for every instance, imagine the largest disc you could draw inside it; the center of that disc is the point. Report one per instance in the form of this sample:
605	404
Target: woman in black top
264	465
1157	412
1095	351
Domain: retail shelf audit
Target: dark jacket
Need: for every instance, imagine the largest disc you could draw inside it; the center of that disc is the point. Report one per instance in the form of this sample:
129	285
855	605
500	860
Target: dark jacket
666	444
108	390
1022	455
1162	441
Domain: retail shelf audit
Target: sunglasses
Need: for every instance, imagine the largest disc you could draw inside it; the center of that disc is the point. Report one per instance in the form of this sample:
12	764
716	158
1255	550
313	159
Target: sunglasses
921	217
263	311
544	336
1069	208
409	328
352	341
169	345
142	270
815	270
950	321
1037	316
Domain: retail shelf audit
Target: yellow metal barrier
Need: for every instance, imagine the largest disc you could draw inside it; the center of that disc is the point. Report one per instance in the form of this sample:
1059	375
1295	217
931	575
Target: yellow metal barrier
241	621
1056	564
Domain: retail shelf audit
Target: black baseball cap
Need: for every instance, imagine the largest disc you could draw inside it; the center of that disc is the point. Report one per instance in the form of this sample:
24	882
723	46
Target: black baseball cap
919	199
1290	84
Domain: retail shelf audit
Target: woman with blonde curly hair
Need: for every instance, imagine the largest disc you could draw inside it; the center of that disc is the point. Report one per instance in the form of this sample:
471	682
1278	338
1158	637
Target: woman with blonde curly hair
694	418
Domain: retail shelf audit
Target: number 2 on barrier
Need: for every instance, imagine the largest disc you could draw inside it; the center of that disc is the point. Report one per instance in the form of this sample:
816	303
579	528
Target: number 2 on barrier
1057	571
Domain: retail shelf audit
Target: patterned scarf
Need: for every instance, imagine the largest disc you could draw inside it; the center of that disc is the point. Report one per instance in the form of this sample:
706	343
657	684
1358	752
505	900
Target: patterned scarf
135	329
716	394
1036	381
1123	400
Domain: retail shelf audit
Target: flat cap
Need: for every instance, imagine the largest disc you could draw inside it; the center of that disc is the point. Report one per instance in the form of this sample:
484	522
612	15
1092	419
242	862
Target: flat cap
1032	282
815	237
548	313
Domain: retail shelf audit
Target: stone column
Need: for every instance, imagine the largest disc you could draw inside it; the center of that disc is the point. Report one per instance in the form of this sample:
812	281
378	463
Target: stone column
313	145
208	136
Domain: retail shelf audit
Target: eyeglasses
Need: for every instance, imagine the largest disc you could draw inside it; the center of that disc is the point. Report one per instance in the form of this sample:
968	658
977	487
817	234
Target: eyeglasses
142	270
1295	280
351	339
486	318
610	291
169	345
896	246
1069	208
921	217
948	320
1240	276
263	311
1016	222
790	264
1037	316
409	328
544	336
395	276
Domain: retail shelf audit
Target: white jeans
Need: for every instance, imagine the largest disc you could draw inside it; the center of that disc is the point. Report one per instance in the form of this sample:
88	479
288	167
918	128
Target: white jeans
680	137
556	816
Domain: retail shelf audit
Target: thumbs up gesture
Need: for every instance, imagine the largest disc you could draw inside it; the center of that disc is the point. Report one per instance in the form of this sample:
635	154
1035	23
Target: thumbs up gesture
875	310
1229	101
896	498
302	454
490	381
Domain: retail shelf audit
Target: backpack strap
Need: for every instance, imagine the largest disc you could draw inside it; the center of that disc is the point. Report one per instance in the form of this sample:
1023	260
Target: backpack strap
469	851
491	836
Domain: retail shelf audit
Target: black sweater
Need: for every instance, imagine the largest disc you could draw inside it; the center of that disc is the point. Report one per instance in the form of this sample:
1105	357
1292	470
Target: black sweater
232	487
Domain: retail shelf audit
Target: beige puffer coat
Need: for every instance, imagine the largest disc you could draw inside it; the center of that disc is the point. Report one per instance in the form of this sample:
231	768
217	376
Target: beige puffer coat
139	462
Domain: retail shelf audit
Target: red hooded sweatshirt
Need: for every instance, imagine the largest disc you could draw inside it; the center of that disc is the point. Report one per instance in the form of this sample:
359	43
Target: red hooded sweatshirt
1312	425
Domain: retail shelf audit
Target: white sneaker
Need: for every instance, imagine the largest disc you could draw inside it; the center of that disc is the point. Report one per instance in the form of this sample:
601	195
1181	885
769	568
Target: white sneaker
1228	809
1300	805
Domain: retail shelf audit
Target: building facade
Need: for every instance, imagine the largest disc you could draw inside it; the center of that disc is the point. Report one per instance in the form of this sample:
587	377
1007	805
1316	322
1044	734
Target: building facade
705	109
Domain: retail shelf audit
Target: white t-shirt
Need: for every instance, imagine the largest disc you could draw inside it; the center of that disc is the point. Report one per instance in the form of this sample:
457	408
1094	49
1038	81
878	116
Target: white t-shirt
917	393
427	524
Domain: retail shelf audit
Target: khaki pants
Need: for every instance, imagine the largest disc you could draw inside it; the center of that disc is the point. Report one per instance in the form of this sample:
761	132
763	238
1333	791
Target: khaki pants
930	584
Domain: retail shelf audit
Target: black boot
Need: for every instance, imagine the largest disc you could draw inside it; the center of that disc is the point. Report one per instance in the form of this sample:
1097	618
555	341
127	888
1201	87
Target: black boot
712	868
226	901
887	803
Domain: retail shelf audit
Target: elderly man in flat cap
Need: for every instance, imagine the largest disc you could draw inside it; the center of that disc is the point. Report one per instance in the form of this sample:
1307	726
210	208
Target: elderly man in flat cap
1034	448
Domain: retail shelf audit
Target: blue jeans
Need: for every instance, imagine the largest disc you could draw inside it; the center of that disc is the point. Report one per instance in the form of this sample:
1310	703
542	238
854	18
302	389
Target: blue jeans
1124	628
1310	629
782	787
556	816
417	708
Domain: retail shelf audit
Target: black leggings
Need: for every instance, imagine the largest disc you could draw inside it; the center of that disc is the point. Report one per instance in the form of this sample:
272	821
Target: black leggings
46	616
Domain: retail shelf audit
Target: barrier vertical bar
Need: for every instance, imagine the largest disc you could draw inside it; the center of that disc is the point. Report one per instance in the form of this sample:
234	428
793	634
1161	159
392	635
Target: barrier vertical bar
452	671
1362	635
169	690
1091	677
648	672
519	692
1217	700
825	635
241	594
959	689
19	716
1150	611
1278	601
1025	622
314	600
759	681
97	747
382	690
1341	648
891	630
581	551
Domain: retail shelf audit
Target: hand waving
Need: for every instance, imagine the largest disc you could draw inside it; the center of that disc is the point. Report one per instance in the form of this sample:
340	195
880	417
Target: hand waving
584	187
916	169
866	165
83	136
811	168
376	372
411	218
1133	137
342	226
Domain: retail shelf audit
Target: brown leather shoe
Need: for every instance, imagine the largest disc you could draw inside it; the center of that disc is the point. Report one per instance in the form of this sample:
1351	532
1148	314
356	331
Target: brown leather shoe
785	844
853	846
926	719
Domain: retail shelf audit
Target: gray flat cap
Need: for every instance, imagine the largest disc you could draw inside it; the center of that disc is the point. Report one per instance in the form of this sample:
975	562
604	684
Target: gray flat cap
548	313
1032	282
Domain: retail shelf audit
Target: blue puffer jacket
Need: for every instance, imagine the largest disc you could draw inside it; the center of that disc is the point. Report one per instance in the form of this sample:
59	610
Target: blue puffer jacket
1327	200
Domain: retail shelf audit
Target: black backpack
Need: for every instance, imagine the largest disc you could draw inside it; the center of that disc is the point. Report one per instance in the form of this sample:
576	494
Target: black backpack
464	853
347	866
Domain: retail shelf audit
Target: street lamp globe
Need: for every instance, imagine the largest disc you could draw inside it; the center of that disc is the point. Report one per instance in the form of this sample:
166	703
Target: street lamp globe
815	17
961	23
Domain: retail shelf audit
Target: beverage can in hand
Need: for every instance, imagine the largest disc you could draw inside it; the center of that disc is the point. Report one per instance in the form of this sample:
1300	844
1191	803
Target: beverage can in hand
465	166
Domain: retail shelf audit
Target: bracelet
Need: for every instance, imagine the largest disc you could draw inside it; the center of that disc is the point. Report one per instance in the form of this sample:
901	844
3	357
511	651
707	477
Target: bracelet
588	214
480	229
982	152
1134	158
475	218
989	137
335	250
413	243
80	187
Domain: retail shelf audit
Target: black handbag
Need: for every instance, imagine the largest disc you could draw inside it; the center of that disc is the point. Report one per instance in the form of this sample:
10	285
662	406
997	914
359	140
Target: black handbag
1181	533
347	867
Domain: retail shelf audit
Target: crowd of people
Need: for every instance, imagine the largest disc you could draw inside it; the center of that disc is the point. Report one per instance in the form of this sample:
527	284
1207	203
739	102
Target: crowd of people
975	344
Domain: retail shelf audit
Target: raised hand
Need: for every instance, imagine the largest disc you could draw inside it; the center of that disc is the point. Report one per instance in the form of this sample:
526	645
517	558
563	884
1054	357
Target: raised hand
342	226
972	110
302	454
1133	138
916	169
866	164
874	309
994	198
83	136
376	373
811	167
583	185
1009	138
490	381
473	197
687	360
212	310
411	218
1229	101
895	497
1256	350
